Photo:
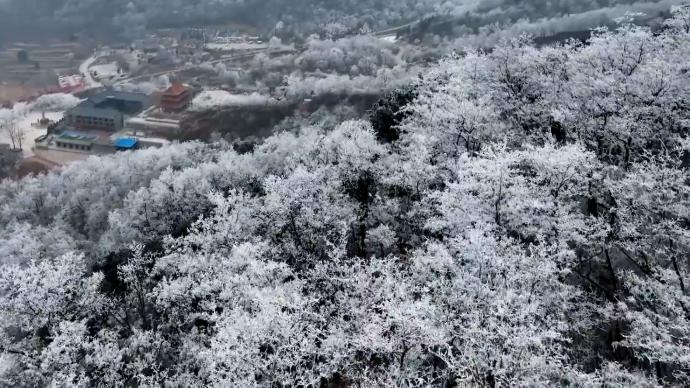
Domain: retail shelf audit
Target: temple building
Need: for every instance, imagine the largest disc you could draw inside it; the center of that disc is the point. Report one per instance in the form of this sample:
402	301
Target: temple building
176	98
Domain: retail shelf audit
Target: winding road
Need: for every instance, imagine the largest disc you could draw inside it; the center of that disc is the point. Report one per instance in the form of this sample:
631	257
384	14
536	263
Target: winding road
88	78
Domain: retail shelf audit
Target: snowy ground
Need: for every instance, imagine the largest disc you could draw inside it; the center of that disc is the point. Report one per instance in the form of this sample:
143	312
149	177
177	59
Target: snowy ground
389	38
220	98
84	69
134	59
26	116
107	71
31	132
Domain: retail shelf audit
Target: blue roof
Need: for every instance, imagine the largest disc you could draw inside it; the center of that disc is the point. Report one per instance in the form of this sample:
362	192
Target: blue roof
126	142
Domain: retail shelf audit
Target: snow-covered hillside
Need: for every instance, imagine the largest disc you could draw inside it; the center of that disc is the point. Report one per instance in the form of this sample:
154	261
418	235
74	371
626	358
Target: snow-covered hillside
516	217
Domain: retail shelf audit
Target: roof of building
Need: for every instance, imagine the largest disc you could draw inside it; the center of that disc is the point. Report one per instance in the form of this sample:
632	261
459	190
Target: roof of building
85	109
126	142
76	137
70	81
175	90
117	95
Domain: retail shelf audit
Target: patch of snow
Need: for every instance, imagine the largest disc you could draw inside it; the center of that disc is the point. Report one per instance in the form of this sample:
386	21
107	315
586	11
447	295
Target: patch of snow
26	116
220	98
56	102
155	122
104	71
27	121
157	84
389	38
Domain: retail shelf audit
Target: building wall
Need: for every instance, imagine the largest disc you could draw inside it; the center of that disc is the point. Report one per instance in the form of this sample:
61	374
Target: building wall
73	146
86	122
176	103
103	148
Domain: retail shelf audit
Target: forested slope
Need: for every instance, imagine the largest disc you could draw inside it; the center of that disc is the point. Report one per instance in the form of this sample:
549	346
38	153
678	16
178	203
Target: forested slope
518	217
132	18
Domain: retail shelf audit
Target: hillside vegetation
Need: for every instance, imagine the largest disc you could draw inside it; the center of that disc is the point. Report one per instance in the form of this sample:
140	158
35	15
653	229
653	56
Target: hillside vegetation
518	217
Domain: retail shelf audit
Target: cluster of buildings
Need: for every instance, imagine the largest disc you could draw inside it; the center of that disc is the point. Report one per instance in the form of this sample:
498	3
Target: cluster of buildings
112	121
96	125
71	83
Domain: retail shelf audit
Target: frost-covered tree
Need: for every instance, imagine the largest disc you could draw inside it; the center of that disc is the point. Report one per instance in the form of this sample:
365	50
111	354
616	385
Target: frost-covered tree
520	218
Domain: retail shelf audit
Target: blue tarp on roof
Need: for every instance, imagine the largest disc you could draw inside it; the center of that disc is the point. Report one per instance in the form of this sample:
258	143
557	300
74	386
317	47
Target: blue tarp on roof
126	143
